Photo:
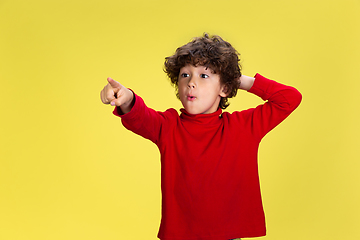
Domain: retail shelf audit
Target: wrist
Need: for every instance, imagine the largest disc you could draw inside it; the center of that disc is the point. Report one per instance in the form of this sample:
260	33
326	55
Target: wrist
127	106
246	82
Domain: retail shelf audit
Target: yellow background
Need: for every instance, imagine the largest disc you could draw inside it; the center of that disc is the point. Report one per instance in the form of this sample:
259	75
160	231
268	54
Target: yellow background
69	169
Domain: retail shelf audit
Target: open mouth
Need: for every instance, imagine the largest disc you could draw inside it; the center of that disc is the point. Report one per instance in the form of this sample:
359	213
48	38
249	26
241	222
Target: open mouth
191	98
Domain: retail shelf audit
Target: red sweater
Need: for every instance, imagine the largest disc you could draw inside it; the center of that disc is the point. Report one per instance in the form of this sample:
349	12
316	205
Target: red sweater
209	171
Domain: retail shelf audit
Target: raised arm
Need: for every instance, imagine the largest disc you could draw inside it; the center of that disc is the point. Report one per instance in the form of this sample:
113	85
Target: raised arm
280	99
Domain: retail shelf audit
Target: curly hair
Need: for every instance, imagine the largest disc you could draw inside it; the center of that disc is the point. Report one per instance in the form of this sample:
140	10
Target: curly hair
212	52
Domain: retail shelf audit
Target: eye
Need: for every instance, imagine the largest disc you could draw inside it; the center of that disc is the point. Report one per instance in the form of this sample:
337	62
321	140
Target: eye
184	75
204	75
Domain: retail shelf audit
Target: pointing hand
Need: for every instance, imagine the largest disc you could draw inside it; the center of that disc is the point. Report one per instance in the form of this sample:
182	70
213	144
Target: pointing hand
116	94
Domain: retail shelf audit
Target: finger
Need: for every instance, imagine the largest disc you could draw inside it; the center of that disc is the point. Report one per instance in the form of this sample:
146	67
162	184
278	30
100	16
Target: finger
114	83
116	102
103	98
109	95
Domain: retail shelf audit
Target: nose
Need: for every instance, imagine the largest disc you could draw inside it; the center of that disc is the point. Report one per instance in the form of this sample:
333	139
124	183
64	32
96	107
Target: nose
191	83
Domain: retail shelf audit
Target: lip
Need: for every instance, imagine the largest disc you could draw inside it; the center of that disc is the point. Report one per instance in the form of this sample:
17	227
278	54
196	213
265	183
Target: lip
190	97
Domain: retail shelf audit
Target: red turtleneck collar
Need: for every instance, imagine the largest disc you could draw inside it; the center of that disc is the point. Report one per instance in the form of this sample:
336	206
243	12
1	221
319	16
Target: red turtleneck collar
210	118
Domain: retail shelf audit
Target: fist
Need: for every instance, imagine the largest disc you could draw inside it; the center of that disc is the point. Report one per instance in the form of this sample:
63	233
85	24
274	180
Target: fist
116	94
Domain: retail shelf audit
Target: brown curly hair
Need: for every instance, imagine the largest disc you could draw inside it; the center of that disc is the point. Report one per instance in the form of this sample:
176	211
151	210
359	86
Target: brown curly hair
212	52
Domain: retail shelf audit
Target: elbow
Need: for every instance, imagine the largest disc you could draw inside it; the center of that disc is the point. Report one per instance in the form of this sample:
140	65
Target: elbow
297	98
290	99
294	99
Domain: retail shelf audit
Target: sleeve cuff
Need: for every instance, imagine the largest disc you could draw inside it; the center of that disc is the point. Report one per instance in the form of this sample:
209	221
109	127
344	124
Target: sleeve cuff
261	86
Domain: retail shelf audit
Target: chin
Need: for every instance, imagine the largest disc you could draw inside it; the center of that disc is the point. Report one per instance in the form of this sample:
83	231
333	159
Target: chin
192	111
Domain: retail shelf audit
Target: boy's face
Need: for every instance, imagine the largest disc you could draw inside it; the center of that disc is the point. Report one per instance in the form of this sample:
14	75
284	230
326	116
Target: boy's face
200	90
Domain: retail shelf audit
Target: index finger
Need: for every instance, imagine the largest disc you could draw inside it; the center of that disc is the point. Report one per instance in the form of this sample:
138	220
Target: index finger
114	83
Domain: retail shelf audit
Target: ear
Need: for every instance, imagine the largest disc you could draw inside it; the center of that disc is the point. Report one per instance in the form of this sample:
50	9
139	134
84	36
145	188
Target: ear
223	91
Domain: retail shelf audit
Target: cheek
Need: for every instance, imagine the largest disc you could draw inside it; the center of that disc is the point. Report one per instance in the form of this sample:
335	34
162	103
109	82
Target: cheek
180	89
182	86
212	88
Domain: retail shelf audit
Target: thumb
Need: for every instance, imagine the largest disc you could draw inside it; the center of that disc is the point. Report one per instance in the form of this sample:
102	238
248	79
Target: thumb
113	83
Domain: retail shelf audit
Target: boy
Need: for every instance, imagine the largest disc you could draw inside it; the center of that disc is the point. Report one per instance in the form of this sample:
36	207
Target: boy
210	183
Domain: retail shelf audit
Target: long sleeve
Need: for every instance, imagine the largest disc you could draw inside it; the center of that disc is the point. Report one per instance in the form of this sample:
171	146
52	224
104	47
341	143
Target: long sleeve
145	121
209	169
281	101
